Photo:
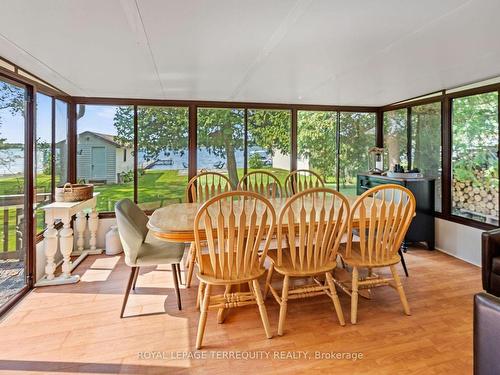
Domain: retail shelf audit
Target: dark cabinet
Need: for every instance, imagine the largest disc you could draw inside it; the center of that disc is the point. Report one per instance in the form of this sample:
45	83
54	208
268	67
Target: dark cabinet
422	226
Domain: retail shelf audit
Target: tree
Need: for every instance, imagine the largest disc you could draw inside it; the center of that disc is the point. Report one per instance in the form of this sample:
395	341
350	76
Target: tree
220	131
316	141
426	138
475	139
395	137
357	136
11	99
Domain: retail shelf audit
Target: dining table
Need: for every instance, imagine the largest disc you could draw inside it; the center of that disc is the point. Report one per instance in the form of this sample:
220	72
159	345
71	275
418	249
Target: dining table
175	222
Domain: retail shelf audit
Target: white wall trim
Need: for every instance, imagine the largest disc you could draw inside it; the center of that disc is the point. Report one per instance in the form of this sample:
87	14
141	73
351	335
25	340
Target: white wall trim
456	256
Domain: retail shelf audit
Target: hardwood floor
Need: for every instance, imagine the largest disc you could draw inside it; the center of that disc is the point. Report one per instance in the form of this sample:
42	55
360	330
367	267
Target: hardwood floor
76	328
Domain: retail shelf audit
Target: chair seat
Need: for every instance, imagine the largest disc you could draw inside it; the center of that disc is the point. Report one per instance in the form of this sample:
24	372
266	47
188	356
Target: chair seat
154	251
210	277
287	268
355	258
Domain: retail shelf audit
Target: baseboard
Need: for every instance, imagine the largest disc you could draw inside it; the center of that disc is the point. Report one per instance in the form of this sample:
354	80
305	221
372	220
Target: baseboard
455	256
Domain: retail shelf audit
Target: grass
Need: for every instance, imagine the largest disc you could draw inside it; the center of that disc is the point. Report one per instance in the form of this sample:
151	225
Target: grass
157	188
15	185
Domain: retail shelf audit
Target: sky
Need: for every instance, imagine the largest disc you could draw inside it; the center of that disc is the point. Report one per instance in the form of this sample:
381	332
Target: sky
97	118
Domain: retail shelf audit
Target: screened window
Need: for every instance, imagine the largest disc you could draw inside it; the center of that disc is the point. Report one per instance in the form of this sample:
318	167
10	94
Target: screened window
12	189
269	141
395	138
475	157
43	157
162	155
103	133
357	136
61	146
317	145
221	141
426	144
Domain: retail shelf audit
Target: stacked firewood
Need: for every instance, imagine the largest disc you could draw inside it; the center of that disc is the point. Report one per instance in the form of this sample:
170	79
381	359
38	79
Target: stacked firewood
480	199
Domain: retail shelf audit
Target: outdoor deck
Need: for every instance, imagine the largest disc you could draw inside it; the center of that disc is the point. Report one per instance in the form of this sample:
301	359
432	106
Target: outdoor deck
11	278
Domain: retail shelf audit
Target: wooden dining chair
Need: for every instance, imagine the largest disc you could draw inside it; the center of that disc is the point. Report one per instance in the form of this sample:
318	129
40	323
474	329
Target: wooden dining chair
312	224
381	216
229	229
302	179
263	183
206	185
200	188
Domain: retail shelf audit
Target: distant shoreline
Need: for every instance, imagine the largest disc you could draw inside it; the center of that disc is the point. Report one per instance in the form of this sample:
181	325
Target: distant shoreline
7	146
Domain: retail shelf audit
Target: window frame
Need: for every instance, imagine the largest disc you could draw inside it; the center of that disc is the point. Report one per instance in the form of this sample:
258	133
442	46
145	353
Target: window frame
463	94
446	100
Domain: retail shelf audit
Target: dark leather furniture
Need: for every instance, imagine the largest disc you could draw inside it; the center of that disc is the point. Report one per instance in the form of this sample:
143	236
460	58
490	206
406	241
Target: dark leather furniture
491	261
486	334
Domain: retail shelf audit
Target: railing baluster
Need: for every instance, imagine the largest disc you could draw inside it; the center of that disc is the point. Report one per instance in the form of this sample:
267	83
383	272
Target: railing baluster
6	229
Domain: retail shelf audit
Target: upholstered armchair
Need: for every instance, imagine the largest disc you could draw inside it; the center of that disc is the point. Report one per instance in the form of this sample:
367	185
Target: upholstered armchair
491	261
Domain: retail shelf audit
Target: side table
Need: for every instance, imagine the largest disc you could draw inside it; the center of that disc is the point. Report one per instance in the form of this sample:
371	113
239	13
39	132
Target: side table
64	211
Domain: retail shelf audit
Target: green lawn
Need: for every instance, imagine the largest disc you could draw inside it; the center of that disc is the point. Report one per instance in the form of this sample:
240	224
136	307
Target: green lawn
13	186
157	188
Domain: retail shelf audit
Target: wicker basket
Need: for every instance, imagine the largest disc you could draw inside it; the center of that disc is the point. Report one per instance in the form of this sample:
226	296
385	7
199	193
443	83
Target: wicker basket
74	192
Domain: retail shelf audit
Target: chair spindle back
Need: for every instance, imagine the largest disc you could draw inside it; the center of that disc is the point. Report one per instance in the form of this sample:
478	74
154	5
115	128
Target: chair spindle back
313	223
302	179
206	185
234	224
384	214
261	182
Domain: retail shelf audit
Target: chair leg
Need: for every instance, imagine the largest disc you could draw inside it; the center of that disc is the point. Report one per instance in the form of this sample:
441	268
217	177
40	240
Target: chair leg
354	295
400	289
179	274
268	280
262	308
403	263
203	317
343	264
283	305
199	297
135	278
192	260
221	314
133	272
335	298
176	285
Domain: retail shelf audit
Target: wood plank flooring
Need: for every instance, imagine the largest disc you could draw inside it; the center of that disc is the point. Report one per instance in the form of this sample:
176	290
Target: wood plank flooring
76	328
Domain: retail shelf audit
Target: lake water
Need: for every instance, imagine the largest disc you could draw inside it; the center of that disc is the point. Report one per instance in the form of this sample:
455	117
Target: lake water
12	160
205	160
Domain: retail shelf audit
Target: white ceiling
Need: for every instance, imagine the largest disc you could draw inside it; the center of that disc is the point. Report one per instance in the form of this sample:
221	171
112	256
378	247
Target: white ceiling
341	52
